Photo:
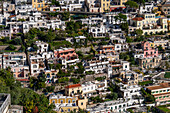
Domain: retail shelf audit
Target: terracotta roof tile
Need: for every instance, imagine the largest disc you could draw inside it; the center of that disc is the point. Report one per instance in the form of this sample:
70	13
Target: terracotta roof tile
74	85
162	85
138	18
12	16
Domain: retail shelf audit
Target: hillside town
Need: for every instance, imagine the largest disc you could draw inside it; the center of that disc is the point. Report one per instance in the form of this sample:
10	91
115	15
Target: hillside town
84	56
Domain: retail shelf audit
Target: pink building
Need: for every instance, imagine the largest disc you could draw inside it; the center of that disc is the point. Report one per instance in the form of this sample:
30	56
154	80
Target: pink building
148	50
20	72
66	53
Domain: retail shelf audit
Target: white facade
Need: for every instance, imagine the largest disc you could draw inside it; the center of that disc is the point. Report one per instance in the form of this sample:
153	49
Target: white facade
118	47
97	65
42	46
125	65
98	31
147	8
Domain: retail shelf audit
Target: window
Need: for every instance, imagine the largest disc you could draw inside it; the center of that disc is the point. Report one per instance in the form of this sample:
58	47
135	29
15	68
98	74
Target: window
68	110
62	110
115	107
34	66
82	103
68	101
61	101
125	66
53	101
38	5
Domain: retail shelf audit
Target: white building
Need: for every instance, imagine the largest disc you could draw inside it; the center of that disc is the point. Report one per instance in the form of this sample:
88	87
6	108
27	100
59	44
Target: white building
147	8
98	65
125	65
42	47
98	31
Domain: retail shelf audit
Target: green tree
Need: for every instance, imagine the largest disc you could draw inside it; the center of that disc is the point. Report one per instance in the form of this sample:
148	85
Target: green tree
54	2
138	32
129	40
23	96
124	26
50	36
131	4
11	47
65	16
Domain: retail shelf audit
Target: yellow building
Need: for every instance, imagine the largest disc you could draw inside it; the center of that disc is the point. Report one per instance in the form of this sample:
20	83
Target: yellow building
73	89
117	5
82	103
63	103
105	5
39	5
149	24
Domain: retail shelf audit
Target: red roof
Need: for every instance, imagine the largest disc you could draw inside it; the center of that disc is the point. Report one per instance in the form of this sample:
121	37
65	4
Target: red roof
138	18
22	80
12	16
74	85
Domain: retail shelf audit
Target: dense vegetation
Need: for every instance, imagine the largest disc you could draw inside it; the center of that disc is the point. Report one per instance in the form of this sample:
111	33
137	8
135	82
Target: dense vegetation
32	102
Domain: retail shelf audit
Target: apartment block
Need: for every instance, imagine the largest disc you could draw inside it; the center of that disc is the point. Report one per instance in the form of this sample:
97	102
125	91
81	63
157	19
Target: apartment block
66	56
161	93
63	103
149	24
130	77
148	50
13	59
73	90
146	63
105	5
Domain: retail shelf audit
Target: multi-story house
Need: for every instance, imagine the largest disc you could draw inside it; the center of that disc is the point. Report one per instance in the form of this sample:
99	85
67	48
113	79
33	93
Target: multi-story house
104	49
93	5
66	56
117	5
13	60
51	75
97	65
21	73
105	5
146	63
93	20
63	103
147	8
149	24
39	5
165	8
73	90
20	1
67	103
161	93
90	89
37	64
148	50
4	33
129	91
42	47
130	77
116	106
162	43
98	31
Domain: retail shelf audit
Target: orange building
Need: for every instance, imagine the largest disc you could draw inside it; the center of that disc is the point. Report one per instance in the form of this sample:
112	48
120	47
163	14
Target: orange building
106	49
